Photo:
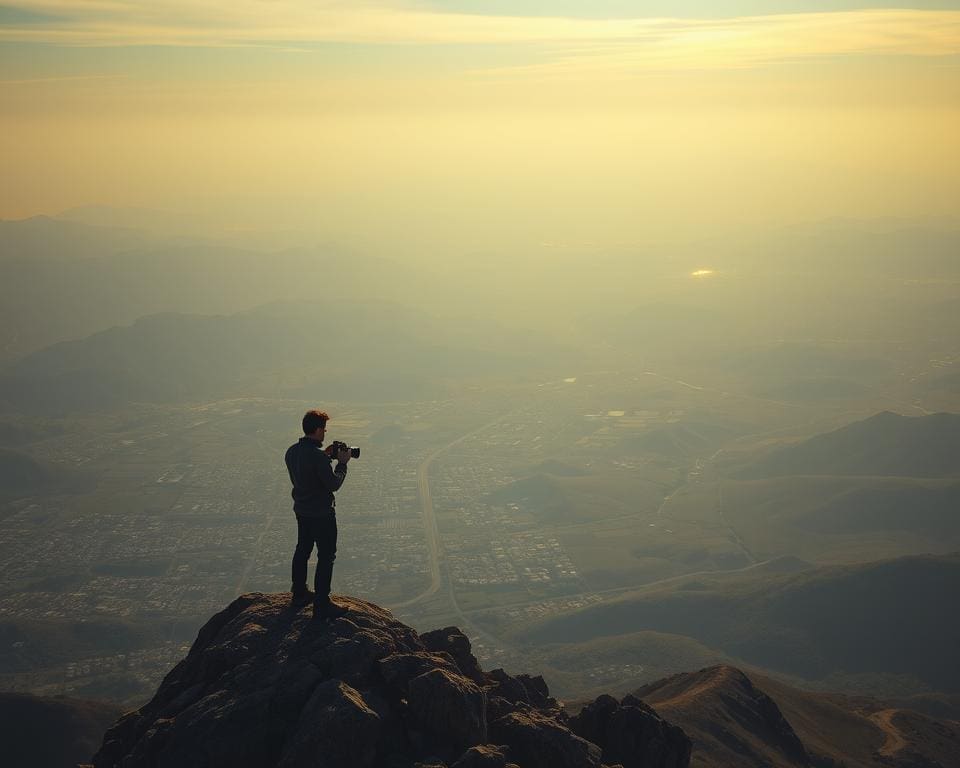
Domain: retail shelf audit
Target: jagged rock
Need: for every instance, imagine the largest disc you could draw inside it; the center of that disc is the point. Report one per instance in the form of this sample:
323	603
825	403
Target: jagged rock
449	711
522	689
507	687
538	741
264	686
497	706
484	756
537	692
398	669
337	729
451	640
631	733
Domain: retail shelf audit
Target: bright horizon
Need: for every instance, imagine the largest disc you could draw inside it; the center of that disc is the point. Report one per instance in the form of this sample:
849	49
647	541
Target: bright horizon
445	124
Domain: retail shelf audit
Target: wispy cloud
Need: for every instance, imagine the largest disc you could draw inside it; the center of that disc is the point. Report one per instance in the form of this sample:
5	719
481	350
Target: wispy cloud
64	79
575	45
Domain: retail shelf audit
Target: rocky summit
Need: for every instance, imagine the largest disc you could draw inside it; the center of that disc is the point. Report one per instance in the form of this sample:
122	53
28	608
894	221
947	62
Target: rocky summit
264	685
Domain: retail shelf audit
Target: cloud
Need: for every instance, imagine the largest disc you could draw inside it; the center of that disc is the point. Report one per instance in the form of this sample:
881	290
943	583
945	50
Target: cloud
570	45
63	79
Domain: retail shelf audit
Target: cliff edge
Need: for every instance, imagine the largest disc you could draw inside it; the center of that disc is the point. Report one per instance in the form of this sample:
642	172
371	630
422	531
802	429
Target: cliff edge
265	686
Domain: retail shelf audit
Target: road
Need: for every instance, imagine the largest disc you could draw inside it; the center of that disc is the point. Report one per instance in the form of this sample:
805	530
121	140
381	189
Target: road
430	520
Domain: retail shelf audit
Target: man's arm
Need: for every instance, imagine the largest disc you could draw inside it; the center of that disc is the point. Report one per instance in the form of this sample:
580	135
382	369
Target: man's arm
332	478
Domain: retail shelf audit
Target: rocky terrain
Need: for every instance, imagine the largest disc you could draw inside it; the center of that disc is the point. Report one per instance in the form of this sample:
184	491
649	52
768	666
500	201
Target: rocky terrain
737	720
264	685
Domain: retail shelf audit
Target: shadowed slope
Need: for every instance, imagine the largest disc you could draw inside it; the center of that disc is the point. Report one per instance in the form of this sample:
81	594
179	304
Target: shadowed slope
51	732
741	721
732	722
883	445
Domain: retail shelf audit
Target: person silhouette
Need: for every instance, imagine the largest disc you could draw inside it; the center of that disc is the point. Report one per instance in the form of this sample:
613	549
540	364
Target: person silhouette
315	482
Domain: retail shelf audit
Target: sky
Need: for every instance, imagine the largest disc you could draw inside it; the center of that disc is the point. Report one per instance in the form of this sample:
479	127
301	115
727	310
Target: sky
482	123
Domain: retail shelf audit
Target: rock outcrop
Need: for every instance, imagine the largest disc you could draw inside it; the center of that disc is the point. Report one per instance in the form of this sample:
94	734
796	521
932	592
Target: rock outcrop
265	686
631	733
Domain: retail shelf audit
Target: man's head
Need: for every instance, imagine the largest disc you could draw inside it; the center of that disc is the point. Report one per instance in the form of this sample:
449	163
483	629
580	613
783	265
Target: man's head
315	424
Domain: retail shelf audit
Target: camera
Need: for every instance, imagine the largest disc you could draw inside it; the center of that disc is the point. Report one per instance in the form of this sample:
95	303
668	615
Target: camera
336	446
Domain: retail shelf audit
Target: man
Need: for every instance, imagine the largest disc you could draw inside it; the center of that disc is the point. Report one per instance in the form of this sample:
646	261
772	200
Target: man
314	483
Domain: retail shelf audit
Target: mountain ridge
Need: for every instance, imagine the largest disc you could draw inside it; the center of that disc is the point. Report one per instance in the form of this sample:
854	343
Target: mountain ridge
887	444
738	719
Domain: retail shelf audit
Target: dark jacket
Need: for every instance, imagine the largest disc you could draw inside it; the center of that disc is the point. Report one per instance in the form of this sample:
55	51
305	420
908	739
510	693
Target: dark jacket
314	480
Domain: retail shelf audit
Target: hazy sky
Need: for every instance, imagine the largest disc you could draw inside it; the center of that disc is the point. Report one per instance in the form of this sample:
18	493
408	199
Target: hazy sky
477	122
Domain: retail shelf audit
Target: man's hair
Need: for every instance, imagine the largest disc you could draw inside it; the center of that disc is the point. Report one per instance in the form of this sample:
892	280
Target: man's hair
314	420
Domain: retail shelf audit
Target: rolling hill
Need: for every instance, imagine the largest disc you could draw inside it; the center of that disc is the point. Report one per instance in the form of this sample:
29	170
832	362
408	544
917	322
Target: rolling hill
889	619
886	444
844	519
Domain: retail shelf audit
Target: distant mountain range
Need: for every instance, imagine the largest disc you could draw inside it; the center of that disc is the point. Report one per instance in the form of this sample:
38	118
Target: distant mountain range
62	280
367	350
887	445
42	237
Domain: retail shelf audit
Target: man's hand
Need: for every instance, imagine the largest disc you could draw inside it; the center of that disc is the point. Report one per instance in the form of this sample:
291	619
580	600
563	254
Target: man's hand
343	456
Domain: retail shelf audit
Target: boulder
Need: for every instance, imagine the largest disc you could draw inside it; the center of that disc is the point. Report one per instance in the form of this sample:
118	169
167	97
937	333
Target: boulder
539	741
447	711
484	756
451	640
337	729
632	734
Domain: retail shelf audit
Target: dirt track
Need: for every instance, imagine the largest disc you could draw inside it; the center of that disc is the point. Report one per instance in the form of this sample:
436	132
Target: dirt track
895	741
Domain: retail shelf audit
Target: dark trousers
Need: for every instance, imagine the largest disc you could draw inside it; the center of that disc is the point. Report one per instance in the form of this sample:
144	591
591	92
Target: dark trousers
321	531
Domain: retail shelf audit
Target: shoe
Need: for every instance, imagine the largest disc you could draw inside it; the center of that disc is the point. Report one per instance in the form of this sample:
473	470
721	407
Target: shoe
330	610
301	599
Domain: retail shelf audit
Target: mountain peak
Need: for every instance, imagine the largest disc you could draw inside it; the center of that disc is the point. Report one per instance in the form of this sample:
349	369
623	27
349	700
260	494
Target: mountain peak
265	685
734	721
